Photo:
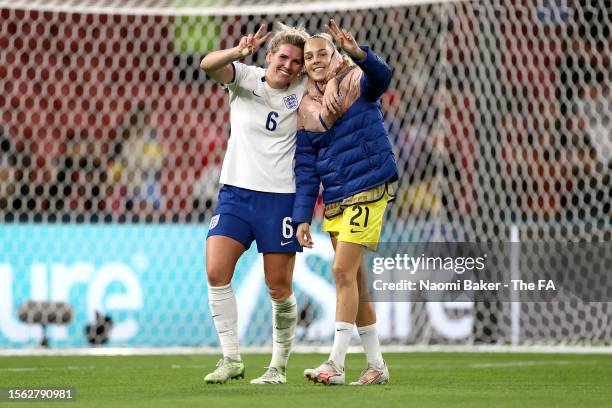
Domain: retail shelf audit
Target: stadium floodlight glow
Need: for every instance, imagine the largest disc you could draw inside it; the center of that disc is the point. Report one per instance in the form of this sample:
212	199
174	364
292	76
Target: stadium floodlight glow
45	313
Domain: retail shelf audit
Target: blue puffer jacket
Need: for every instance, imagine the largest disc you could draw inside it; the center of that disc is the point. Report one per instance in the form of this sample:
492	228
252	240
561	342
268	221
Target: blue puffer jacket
354	155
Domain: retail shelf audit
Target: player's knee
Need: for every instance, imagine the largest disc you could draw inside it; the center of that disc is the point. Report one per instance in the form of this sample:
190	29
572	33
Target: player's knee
343	277
279	289
218	276
279	294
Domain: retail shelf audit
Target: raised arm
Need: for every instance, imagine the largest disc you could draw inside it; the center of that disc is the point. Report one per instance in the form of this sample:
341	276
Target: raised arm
217	64
376	73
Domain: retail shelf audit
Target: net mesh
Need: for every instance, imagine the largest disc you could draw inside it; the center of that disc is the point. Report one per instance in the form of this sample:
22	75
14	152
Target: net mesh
499	114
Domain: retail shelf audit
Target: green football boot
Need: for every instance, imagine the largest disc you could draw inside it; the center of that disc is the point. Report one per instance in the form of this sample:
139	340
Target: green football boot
272	376
227	369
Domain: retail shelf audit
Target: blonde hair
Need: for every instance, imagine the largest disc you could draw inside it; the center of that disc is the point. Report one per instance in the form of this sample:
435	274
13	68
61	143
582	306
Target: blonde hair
326	37
285	34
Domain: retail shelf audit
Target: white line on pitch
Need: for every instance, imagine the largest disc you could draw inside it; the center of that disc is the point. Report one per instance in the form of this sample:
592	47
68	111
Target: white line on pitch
519	364
20	369
25	369
191	366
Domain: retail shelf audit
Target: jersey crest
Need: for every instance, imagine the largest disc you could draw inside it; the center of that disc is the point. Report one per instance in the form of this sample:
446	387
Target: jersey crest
291	101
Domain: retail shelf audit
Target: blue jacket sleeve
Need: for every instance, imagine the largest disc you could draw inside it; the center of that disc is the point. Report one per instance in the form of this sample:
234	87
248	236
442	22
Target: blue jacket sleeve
306	179
376	75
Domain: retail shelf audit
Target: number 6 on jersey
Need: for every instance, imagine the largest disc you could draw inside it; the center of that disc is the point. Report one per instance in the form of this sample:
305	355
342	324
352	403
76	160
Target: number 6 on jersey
270	122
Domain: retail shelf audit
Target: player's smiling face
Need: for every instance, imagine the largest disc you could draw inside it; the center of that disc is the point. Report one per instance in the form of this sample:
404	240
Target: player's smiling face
283	66
317	58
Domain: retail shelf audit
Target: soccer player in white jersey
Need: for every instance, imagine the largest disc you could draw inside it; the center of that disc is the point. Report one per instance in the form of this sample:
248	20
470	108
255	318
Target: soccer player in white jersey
256	200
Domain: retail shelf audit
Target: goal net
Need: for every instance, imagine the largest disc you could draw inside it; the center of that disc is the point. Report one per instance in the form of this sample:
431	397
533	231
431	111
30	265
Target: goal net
112	138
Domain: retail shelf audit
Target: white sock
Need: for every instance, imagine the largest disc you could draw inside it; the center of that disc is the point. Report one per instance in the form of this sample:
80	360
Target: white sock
371	345
284	320
224	312
342	339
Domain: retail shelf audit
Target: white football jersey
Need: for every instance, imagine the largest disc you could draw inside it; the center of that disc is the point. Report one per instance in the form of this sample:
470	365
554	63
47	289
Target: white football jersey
261	147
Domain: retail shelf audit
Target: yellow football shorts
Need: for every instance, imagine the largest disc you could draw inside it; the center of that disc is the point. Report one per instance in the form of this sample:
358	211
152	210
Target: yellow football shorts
358	219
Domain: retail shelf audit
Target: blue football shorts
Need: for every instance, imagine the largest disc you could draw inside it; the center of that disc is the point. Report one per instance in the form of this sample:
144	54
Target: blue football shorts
247	216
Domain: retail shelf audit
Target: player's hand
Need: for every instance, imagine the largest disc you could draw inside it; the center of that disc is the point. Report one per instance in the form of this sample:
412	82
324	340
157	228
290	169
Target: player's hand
251	43
345	40
303	235
331	98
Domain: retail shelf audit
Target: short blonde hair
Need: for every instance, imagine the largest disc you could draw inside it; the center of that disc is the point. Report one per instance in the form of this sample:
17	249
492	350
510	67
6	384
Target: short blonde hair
285	34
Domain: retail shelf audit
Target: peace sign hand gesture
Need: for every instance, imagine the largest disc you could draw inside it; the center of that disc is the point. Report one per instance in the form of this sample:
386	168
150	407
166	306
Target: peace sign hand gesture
249	44
345	40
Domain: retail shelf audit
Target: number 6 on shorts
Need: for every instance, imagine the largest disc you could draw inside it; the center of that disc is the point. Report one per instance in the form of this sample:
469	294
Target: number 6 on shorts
287	228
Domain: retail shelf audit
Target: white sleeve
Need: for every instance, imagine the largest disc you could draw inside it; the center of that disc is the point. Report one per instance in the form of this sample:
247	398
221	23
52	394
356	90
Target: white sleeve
245	76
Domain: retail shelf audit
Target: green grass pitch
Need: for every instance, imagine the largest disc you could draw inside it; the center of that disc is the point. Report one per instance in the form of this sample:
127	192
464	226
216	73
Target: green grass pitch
417	380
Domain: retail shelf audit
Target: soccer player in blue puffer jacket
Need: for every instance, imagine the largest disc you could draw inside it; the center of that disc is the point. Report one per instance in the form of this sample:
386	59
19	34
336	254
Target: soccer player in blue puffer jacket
345	147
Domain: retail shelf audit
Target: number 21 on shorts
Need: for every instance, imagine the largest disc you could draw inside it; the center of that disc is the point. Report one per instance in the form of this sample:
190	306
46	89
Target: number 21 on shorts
357	220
